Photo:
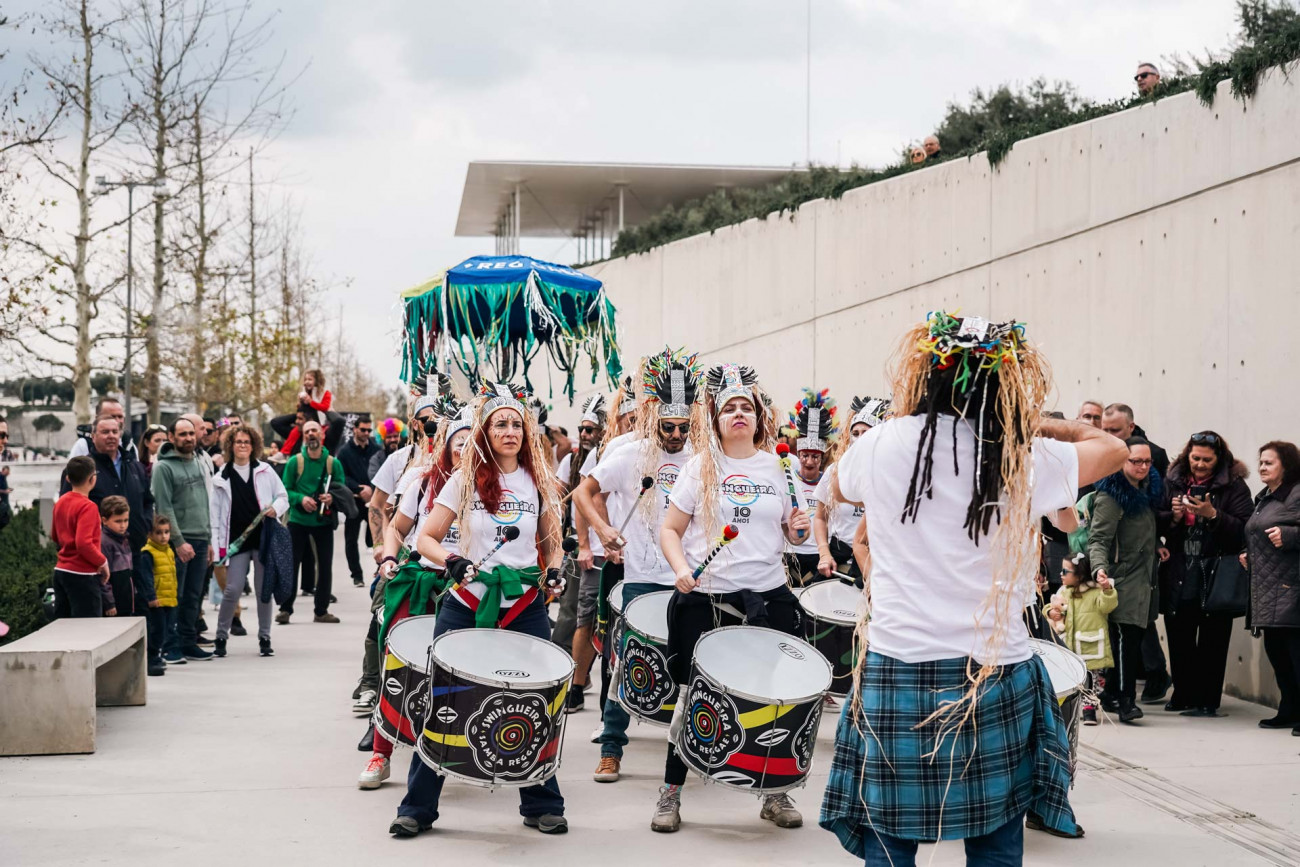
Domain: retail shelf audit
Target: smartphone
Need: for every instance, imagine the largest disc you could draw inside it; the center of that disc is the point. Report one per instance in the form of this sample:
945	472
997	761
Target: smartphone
1198	491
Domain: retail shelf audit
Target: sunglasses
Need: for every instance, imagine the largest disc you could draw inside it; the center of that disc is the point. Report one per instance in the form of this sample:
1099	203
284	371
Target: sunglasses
667	427
1205	439
3	435
587	430
364	430
1143	76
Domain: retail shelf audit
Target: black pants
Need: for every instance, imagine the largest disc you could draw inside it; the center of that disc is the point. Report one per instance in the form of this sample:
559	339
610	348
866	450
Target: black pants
1282	646
1198	654
77	595
351	532
687	622
1126	646
1153	655
319	541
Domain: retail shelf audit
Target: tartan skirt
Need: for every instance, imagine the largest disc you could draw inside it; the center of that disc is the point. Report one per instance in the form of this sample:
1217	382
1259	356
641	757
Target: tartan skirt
896	774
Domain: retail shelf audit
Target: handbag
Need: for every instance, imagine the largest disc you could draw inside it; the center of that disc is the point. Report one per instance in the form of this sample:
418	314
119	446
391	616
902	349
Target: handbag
1227	589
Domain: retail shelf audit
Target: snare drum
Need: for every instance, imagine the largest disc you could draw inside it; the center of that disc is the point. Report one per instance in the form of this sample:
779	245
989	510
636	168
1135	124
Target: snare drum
752	709
830	619
496	707
645	688
404	692
1068	673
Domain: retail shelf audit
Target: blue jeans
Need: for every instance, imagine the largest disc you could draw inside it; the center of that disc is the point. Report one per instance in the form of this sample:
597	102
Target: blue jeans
424	784
166	620
189	597
1002	847
614	737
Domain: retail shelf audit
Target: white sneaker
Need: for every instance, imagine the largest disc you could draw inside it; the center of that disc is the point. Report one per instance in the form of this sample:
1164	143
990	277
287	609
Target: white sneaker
597	732
377	770
365	703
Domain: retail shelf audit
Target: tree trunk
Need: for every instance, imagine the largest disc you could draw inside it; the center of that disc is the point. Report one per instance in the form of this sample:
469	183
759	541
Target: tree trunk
198	353
153	366
84	300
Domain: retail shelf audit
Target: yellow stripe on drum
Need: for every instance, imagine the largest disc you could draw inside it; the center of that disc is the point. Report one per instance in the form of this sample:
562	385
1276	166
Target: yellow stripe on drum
449	740
765	715
391	662
559	701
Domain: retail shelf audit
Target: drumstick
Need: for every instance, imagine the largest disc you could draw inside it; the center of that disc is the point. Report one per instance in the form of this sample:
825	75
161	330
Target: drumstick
783	452
729	533
646	484
509	534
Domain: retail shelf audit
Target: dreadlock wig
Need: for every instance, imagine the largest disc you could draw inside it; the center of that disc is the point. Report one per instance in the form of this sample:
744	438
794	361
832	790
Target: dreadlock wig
722	383
625	401
671	385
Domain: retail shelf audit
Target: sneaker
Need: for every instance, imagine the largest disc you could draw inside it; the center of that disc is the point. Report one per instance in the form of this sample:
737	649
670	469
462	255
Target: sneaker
1129	712
157	667
607	770
203	641
1109	703
1090	716
358	582
196	653
668	812
377	770
237	628
1173	707
325	618
1208	712
283	617
780	810
407	826
365	704
174	657
220	648
264	647
548	824
599	732
574	702
367	742
1153	692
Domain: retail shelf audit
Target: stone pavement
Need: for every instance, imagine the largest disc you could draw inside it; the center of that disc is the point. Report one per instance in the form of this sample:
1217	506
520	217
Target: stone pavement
254	761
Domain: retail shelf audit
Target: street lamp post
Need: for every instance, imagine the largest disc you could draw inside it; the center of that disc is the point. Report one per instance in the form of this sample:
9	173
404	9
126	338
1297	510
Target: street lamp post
103	185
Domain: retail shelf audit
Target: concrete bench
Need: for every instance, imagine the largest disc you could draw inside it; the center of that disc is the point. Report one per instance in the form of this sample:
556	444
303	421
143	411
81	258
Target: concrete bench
52	680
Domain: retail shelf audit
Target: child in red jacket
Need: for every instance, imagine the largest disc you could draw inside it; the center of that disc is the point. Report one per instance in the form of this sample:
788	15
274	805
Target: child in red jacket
81	569
314	395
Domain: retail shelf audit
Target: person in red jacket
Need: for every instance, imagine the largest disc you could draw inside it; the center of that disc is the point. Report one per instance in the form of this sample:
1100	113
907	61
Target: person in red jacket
313	396
82	568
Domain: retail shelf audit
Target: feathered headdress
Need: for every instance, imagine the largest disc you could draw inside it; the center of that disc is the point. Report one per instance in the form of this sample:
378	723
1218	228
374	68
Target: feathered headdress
672	381
814	419
446	402
593	410
627	402
870	411
502	395
726	381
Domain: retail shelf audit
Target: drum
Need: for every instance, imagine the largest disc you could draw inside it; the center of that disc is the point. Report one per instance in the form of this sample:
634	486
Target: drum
1068	673
645	688
830	618
752	709
608	627
496	707
404	692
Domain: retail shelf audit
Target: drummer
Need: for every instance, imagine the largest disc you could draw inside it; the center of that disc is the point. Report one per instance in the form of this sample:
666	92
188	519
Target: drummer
814	422
505	479
672	416
410	585
836	521
955	732
738	482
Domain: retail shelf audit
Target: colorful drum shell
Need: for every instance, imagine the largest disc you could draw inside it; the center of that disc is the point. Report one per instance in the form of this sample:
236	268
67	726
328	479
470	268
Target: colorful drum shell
404	687
608	628
739	737
496	707
645	688
830	621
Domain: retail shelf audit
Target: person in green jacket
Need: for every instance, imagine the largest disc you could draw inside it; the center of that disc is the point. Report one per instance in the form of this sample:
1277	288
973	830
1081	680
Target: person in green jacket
308	476
1079	614
1122	543
179	484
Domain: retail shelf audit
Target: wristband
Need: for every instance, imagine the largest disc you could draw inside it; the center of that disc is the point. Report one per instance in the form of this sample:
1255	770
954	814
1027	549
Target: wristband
389	559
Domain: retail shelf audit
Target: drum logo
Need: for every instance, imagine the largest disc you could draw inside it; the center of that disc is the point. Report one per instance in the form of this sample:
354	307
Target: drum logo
646	683
806	738
712	733
417	707
393	686
841	612
446	715
511	673
507	732
791	651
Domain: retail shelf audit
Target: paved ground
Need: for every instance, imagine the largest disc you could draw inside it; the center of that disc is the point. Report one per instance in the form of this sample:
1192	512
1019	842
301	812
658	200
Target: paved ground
254	760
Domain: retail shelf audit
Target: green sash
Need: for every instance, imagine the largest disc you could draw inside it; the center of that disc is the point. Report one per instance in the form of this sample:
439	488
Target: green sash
502	582
412	580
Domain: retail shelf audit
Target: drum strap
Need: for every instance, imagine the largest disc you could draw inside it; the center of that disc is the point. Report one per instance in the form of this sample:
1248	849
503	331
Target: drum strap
511	613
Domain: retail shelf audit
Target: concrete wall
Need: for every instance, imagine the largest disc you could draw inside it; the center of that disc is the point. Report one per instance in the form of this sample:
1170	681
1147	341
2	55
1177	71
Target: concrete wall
1153	253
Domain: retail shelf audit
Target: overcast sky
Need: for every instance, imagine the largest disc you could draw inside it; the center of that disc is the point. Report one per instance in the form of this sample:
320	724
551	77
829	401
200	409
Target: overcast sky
399	95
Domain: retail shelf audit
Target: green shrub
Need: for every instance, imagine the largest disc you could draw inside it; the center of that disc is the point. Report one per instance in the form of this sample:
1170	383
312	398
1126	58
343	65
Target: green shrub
26	568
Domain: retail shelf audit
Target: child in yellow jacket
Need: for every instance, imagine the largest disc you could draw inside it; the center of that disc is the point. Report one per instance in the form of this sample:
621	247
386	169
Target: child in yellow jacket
1079	612
157	575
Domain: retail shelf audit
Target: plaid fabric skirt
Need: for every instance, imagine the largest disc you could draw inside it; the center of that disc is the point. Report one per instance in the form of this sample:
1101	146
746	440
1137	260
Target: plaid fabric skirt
910	780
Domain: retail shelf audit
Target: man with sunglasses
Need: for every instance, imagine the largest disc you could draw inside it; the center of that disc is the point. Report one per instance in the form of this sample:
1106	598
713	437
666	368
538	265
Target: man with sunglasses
355	455
1147	78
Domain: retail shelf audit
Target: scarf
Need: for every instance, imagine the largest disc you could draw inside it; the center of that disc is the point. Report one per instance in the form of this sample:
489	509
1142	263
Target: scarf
411	581
501	582
1133	501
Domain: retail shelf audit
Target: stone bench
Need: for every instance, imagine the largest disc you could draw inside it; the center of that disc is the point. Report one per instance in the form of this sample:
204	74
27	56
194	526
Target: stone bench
52	680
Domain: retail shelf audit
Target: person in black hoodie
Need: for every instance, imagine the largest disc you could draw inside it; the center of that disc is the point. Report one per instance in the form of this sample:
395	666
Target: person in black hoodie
1203	516
355	455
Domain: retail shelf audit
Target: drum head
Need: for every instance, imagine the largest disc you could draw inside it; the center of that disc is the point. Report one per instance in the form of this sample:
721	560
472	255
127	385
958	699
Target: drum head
500	656
409	640
763	664
1067	670
648	615
834	601
616	597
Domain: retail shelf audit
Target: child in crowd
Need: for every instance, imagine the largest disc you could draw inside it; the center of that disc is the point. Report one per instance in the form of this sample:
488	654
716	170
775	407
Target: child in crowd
81	570
1081	608
157	576
119	598
312	396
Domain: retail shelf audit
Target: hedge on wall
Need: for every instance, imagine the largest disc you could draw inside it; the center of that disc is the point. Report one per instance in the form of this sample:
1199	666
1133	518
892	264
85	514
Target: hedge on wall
1243	68
26	567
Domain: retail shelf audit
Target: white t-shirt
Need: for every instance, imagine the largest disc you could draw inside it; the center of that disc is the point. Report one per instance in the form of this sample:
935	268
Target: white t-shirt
843	519
519	508
755	498
929	581
593	541
613	509
620	477
417	508
390	471
808	501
